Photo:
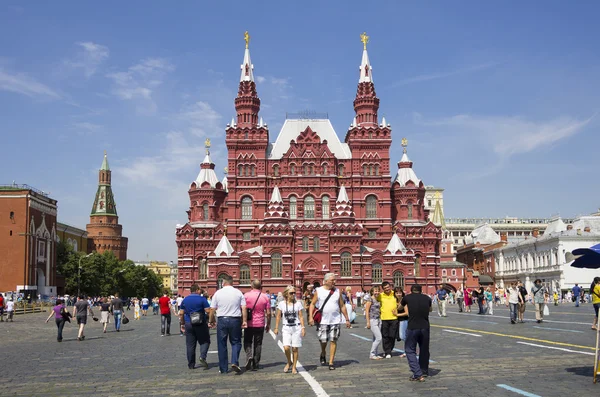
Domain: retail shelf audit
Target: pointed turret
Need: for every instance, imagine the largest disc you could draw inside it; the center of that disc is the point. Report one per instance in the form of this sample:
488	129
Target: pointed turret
207	170
247	103
104	166
405	170
104	204
438	214
343	209
225	181
366	103
395	245
276	212
224	247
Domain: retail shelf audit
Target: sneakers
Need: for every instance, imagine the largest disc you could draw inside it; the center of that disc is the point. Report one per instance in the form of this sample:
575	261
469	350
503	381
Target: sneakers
191	366
203	363
388	356
249	364
236	368
322	360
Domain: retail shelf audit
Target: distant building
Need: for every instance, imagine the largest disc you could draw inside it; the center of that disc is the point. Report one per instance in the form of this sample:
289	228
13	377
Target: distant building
104	231
28	242
73	236
165	272
545	257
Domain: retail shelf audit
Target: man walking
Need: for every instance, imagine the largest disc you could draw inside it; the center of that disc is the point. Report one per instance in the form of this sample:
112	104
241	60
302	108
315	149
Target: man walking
165	307
195	333
145	303
576	292
229	306
116	307
459	299
259	306
328	300
80	311
389	320
539	292
417	306
522	301
514	298
441	295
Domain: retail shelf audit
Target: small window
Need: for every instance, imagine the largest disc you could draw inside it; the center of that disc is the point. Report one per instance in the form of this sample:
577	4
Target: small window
304	244
316	244
205	211
244	275
371	207
444	248
293	207
377	273
372	234
292	169
309	207
305	169
276	170
11	232
246	134
341	169
276	265
429	203
324	169
246	208
346	264
325	207
12	215
246	236
99	233
410	211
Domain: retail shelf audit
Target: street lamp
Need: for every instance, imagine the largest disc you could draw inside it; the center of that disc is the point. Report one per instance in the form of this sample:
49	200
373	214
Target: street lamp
79	273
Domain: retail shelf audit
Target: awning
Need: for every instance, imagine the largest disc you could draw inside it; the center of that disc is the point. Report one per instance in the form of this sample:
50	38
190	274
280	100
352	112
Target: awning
484	279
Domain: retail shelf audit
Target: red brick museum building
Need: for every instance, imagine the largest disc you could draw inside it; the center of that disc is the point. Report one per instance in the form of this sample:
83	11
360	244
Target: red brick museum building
305	204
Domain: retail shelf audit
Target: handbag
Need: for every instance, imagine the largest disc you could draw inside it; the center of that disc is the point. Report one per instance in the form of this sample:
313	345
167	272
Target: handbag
249	313
317	314
546	310
196	318
125	320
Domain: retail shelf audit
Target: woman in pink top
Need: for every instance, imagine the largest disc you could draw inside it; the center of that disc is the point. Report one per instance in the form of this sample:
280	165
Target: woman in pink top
259	321
468	300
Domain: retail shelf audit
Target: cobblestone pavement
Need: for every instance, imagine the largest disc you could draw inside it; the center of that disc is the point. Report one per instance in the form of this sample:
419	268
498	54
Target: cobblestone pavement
472	355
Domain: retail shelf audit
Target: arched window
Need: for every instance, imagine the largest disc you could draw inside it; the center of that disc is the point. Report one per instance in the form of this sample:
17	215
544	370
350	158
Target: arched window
205	211
410	210
316	244
246	208
246	171
244	275
325	207
341	169
325	169
246	132
292	169
276	170
377	169
346	265
240	170
399	279
417	266
312	169
371	207
304	243
220	280
253	169
305	169
293	207
309	207
371	170
276	265
377	273
74	245
203	269
365	170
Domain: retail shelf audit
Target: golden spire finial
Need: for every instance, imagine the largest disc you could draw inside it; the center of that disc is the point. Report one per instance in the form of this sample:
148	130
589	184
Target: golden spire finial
365	39
246	38
226	169
404	144
207	145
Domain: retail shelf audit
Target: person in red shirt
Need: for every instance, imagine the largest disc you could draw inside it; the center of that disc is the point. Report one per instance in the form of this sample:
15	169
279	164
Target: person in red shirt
165	313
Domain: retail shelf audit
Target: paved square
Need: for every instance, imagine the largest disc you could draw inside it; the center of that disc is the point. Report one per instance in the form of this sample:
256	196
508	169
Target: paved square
472	355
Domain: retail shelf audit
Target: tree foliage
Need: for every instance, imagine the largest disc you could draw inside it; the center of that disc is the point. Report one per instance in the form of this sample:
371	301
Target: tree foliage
103	274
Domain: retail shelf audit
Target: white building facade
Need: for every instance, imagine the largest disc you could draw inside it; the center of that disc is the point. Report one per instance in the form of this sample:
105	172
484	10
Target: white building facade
545	257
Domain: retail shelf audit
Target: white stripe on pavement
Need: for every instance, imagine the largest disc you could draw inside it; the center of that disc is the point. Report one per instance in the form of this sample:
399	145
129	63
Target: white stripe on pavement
464	333
557	348
526	320
312	382
558	329
518	391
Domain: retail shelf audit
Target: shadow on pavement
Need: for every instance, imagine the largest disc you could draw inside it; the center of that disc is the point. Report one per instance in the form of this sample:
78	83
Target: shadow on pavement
582	371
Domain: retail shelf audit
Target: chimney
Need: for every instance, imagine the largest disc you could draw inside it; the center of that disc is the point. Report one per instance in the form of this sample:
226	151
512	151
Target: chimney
587	229
536	232
569	227
504	237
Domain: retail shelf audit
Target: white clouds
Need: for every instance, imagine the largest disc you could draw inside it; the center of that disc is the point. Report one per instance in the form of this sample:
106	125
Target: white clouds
260	79
89	58
507	136
22	84
85	128
440	75
139	82
203	120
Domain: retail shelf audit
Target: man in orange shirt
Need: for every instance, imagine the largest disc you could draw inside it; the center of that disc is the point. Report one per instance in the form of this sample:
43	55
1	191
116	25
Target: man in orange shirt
166	307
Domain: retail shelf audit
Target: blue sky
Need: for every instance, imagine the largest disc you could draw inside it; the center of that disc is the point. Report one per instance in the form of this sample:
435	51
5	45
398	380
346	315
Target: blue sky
499	102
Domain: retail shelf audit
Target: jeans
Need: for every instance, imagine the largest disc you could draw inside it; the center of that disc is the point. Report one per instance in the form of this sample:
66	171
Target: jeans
253	337
389	331
165	318
576	300
416	337
442	308
118	317
513	311
196	334
461	302
376	330
60	324
229	328
403	325
480	304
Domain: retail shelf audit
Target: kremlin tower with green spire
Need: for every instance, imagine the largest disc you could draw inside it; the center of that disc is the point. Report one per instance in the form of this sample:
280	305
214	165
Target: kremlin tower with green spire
104	231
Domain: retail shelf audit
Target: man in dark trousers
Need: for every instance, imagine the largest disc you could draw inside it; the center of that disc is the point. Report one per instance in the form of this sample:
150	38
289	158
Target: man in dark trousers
417	306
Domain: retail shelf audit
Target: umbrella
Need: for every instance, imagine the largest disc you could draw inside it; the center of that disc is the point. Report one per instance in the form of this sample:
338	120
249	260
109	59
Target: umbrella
587	258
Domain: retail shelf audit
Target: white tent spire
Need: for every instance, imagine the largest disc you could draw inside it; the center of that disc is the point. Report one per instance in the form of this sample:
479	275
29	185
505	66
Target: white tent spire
276	196
343	195
224	247
247	67
395	245
365	66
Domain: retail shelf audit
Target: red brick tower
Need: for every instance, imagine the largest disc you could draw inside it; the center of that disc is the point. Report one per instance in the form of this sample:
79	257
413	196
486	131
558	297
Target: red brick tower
104	231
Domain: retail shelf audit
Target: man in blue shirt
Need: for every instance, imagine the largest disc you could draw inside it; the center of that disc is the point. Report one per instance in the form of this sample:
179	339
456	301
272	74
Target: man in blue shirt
576	292
441	298
195	333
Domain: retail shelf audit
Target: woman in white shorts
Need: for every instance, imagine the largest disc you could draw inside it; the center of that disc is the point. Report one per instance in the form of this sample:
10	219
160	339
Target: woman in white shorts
293	327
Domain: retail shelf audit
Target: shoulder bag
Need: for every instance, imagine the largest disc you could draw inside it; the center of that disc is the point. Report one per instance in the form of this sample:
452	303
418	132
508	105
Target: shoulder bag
249	315
317	314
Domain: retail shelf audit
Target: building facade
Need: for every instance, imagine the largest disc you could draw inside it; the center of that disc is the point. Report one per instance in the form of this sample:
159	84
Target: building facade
304	204
545	257
28	242
165	272
74	236
104	231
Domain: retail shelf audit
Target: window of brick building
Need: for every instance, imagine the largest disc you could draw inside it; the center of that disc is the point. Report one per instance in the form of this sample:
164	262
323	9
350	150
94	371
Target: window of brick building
276	265
346	264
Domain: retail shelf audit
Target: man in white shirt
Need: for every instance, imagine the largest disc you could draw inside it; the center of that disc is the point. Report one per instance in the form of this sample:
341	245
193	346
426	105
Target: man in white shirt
229	306
514	298
328	330
178	301
10	310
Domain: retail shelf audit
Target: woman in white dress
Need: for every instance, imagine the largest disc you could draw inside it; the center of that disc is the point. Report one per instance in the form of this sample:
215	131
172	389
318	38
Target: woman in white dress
293	327
136	309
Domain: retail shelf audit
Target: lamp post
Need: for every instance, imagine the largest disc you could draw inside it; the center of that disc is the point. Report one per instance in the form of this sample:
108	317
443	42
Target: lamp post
79	273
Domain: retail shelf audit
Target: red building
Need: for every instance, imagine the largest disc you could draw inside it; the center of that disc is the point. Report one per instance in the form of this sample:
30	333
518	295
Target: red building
305	204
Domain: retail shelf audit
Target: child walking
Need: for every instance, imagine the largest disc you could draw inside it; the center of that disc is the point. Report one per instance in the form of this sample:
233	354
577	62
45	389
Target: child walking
293	327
